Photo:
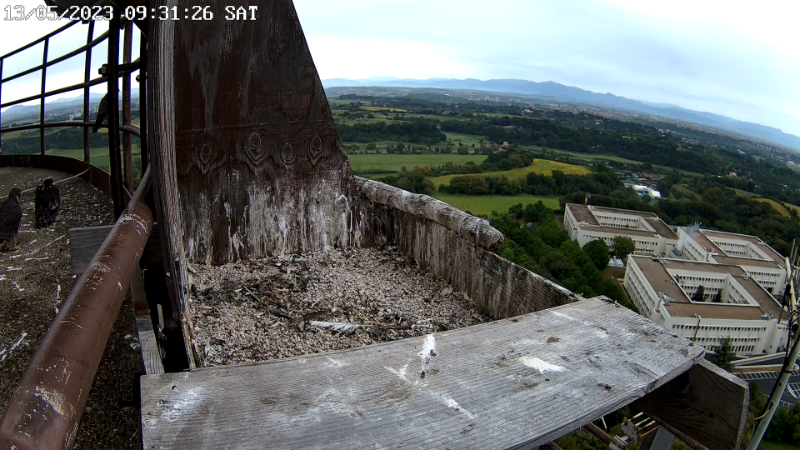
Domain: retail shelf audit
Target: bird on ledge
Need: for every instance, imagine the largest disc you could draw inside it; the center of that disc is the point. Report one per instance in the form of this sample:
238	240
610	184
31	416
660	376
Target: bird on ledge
10	219
102	112
47	203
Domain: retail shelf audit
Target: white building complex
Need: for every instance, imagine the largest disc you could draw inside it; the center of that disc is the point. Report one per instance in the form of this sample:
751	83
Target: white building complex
741	277
749	252
735	304
588	223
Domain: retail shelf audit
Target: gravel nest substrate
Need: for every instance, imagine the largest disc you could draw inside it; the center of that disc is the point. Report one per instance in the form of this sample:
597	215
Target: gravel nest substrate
317	302
34	282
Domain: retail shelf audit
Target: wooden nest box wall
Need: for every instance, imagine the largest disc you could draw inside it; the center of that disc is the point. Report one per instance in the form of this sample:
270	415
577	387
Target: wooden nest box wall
260	170
248	164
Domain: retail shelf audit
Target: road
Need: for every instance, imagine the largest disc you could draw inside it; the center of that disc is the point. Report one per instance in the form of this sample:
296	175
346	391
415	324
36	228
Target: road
766	380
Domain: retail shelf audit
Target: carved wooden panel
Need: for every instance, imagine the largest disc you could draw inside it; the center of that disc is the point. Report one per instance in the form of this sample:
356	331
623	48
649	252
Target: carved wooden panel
261	167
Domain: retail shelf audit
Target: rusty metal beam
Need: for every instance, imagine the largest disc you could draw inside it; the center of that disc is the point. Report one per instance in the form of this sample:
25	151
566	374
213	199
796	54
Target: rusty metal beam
48	403
602	435
126	107
115	158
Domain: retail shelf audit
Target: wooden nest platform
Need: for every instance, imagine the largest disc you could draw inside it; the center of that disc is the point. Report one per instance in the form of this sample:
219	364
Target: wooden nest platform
253	174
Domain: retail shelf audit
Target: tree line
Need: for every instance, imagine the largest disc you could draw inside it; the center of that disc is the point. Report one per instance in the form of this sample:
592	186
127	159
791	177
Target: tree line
544	248
602	181
413	130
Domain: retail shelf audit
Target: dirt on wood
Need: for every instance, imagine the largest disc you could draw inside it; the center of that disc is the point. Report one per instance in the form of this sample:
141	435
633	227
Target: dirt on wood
312	303
34	282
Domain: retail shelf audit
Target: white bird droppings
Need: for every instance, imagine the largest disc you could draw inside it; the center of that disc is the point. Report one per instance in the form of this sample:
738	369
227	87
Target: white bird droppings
541	366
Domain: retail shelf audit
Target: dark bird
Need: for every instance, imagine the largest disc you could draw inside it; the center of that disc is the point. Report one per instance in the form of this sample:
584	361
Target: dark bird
47	203
102	112
10	219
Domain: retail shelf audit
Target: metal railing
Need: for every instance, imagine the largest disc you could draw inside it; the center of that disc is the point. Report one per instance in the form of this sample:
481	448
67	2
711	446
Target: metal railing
46	407
122	180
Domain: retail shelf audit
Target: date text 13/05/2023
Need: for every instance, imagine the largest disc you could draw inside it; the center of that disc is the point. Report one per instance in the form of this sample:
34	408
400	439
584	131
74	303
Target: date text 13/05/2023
189	13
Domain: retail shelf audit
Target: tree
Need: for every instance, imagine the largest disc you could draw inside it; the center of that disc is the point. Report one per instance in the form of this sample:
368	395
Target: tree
724	355
623	246
597	250
718	297
371	146
699	294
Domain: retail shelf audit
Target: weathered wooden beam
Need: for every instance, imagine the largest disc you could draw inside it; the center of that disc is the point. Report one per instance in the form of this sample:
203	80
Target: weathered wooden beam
498	286
151	355
706	404
473	229
161	144
85	241
520	381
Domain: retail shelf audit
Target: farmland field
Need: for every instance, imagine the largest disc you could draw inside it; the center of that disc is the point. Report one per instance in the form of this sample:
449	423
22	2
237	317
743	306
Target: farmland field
783	211
587	156
485	204
377	163
540	166
99	156
466	139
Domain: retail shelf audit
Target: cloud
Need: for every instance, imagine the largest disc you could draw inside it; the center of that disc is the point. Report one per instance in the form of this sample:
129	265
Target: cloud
732	57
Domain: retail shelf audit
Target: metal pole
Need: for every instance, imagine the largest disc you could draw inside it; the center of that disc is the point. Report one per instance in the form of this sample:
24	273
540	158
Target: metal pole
603	436
699	318
1	102
143	149
87	76
115	160
41	100
126	107
777	392
775	399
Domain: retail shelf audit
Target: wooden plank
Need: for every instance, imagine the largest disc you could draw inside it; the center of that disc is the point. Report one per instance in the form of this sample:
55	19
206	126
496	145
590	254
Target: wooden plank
706	403
151	355
518	381
84	243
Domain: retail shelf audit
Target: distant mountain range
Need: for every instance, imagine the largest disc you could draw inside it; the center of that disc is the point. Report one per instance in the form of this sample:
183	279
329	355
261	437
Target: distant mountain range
548	91
567	94
56	106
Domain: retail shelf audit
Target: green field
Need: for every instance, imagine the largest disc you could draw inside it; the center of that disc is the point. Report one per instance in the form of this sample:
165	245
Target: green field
540	166
467	139
766	445
377	163
99	156
587	156
485	204
744	194
778	207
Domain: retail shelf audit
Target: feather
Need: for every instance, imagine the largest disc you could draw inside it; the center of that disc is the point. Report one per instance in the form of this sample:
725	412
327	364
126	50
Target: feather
337	326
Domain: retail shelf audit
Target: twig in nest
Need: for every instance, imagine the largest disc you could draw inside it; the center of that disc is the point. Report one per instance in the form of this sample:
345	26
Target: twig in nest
270	300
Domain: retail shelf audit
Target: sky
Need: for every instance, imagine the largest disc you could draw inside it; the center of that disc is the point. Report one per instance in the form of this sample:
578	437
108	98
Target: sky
736	58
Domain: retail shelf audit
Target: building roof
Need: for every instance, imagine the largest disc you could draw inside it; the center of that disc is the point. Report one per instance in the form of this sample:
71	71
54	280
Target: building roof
587	221
703	238
761	245
656	273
